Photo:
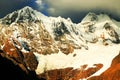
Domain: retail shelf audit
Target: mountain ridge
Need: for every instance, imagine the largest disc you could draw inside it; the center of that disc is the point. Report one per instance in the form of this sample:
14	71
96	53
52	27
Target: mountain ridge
93	28
25	14
30	10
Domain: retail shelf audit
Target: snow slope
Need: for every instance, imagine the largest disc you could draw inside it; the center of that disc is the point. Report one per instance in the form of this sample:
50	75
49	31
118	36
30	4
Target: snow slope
96	54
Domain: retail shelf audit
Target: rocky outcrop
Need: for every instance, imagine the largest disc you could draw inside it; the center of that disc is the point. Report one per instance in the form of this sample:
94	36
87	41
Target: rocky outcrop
10	69
112	33
116	60
67	49
112	73
70	73
13	51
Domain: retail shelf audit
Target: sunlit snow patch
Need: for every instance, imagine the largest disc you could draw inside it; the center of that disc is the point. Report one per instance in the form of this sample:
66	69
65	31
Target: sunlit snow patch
94	55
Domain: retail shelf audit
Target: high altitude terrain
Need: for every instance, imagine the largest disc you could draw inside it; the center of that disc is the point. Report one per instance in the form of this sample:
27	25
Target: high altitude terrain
55	48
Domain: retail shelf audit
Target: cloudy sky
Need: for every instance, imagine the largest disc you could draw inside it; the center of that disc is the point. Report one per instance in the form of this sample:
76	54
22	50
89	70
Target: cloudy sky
75	9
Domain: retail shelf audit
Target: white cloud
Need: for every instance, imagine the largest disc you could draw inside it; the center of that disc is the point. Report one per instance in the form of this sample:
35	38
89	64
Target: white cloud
40	4
51	10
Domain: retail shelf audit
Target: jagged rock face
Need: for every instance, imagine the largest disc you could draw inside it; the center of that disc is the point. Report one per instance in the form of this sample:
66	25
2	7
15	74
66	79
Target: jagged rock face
10	50
112	73
26	14
61	29
25	60
42	43
13	70
36	37
30	61
110	30
9	69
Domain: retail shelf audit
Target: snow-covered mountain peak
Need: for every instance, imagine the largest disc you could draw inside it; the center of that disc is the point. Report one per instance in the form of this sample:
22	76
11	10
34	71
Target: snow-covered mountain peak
92	17
89	30
27	7
104	17
26	14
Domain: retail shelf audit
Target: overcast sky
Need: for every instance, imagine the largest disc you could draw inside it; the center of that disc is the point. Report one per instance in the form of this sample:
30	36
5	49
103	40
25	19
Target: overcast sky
75	9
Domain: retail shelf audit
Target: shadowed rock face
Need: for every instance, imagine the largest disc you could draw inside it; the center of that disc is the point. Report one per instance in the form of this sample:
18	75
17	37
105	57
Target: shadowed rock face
24	60
8	70
112	73
15	64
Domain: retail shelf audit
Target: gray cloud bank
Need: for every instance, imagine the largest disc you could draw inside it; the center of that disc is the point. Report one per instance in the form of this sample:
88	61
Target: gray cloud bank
75	8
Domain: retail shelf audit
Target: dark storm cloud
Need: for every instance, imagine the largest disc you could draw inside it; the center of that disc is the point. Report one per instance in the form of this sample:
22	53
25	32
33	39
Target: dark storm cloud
77	8
7	6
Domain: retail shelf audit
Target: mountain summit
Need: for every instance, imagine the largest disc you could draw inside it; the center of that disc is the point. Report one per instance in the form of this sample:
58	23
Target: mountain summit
26	14
92	17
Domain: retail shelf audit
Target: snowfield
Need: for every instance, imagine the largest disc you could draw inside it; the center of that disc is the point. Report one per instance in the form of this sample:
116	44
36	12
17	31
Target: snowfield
95	54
